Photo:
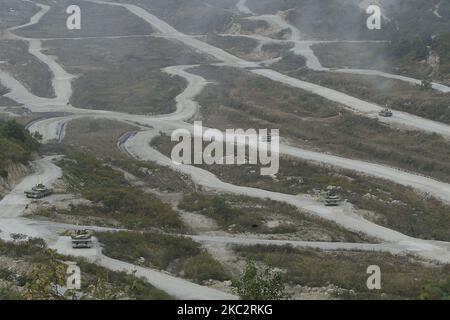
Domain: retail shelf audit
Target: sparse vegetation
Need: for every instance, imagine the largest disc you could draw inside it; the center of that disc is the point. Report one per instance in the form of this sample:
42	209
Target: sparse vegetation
22	13
179	255
126	74
46	269
155	176
243	100
392	205
396	94
203	267
185	15
26	68
325	19
114	197
110	69
403	277
239	214
97	137
290	62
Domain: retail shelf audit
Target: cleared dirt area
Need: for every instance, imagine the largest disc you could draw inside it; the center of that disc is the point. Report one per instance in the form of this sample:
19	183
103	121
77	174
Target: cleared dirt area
97	21
32	73
178	255
124	74
159	180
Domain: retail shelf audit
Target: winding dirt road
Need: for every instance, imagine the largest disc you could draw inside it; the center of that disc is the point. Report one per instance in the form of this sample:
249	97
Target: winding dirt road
14	204
138	146
303	48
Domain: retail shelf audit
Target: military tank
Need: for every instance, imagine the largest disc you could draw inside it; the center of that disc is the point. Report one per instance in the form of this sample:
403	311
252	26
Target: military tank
38	191
81	239
267	138
332	200
385	113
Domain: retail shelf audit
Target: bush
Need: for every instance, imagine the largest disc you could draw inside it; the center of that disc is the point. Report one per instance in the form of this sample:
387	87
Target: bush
434	291
255	285
204	267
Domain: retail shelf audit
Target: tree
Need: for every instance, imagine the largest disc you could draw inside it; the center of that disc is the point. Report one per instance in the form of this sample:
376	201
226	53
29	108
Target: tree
265	285
12	130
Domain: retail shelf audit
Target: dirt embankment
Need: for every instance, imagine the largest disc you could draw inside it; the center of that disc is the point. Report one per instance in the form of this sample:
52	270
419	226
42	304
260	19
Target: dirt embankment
16	172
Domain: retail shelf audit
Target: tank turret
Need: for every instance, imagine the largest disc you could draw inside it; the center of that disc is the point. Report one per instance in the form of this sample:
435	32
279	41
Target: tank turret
386	113
81	239
39	187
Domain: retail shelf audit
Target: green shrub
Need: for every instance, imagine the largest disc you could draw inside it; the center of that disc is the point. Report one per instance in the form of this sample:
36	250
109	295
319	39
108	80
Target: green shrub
204	267
158	250
179	255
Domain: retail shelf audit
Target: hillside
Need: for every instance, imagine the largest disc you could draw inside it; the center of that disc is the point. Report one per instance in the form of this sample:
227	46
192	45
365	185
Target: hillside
359	177
16	146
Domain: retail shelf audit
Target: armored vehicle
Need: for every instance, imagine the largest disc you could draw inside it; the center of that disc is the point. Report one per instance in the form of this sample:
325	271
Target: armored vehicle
386	113
39	191
332	200
81	239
